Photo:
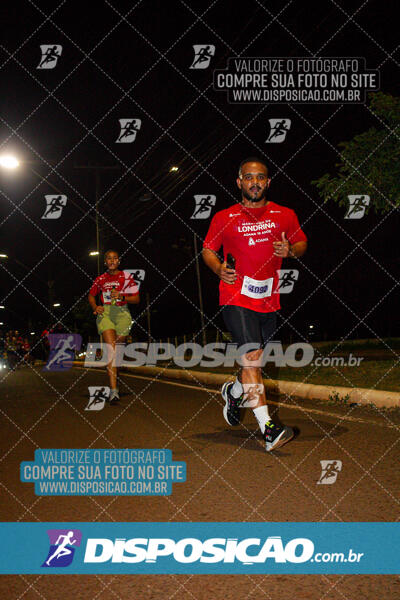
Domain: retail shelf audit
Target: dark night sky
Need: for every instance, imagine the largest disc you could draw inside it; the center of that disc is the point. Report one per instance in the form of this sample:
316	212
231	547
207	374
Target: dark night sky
115	67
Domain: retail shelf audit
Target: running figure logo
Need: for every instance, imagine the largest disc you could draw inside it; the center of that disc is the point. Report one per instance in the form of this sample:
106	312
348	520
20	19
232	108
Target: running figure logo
129	129
62	547
357	206
54	206
251	394
202	56
62	350
287	279
98	396
330	470
50	55
203	206
133	279
279	129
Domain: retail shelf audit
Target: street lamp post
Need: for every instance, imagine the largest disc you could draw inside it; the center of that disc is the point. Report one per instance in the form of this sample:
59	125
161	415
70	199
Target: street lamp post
97	169
196	256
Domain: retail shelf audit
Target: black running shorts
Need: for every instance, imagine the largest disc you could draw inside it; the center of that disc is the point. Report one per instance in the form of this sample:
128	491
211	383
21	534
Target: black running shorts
249	326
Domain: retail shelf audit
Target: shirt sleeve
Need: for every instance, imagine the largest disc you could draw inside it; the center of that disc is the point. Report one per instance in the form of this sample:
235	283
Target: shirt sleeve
213	239
294	233
95	289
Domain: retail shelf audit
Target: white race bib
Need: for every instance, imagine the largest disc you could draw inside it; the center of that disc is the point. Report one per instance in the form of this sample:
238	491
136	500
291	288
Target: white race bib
255	288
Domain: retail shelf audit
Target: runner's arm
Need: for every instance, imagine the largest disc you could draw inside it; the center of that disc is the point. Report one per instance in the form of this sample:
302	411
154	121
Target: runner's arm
284	249
97	310
298	249
212	261
92	302
130	298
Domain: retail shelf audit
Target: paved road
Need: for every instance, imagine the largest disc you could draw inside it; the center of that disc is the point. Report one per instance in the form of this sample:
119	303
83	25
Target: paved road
229	477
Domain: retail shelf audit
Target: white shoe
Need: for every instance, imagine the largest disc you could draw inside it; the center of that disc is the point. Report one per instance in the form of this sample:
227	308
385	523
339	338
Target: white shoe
114	397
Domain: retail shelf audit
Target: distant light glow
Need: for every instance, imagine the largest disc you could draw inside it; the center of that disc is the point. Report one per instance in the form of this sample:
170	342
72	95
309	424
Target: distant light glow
9	162
172	169
57	304
94	253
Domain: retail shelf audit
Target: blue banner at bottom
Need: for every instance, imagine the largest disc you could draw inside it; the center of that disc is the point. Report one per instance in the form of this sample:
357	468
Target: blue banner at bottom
208	548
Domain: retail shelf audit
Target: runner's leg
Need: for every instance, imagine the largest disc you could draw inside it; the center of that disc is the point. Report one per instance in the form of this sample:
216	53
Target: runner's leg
245	327
109	337
119	344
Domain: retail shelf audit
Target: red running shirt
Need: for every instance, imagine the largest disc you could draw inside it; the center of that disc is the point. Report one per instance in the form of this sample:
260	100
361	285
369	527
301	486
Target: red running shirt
248	234
122	281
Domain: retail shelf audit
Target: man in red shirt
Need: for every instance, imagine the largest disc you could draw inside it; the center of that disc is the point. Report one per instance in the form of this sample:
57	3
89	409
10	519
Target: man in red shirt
258	234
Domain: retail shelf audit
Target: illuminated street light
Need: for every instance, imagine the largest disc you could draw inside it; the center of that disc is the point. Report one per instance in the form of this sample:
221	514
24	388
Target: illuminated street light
3	256
7	161
173	169
32	333
57	304
2	306
94	253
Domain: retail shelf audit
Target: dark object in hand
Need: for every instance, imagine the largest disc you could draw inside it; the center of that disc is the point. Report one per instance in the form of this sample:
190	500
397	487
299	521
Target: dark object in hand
230	261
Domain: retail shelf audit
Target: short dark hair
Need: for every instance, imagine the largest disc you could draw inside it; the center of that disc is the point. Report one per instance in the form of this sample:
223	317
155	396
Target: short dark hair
108	252
252	159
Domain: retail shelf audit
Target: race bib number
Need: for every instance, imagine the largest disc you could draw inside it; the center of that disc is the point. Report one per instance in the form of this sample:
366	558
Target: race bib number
254	288
107	297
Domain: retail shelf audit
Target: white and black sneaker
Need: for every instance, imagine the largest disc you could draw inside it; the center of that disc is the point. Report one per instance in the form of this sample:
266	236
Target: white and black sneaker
231	410
114	397
276	435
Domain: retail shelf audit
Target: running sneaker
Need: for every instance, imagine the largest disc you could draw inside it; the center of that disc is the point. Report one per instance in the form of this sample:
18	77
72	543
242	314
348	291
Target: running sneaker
276	435
231	410
114	397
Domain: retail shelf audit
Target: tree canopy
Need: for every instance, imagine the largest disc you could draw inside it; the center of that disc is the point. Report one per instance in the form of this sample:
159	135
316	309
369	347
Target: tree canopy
370	162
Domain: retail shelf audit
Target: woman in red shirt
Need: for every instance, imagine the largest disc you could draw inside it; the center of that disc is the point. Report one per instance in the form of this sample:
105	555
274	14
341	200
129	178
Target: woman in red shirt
114	321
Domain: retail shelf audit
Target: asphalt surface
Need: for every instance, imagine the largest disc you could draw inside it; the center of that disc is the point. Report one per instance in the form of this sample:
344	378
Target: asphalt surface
230	477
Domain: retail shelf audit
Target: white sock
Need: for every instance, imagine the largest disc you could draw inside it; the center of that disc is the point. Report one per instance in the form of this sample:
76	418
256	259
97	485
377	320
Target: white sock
237	389
262	415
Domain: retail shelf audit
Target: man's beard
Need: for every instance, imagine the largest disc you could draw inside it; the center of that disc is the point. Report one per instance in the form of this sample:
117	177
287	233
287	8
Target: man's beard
254	198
